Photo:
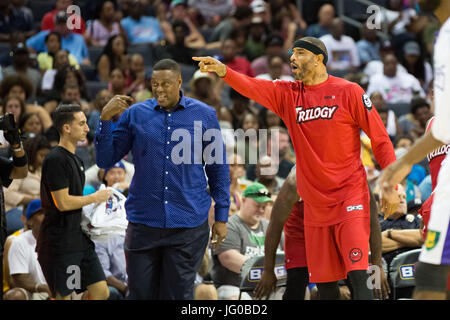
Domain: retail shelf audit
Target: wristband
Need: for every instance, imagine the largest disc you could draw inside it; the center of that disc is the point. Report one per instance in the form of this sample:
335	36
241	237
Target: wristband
21	161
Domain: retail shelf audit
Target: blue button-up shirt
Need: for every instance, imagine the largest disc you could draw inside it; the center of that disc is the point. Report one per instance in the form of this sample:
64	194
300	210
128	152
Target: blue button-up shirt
165	193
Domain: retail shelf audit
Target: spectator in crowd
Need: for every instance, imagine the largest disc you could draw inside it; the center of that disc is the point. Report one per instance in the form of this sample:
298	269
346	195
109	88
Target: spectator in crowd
49	22
117	82
266	174
325	15
241	18
178	51
24	268
31	125
135	75
140	28
47	60
388	117
16	20
398	17
268	119
213	12
62	62
146	93
230	58
203	88
245	239
236	172
239	108
239	35
70	41
17	85
368	46
13	105
376	66
21	65
416	175
413	61
101	99
396	87
100	30
286	6
114	55
254	46
178	12
401	231
415	122
275	70
342	51
274	47
261	10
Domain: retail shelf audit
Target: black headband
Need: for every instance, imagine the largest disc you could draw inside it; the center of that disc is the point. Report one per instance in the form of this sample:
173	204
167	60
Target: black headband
310	47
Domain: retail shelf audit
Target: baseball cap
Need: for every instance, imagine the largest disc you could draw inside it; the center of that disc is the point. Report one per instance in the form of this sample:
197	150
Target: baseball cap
177	2
33	207
61	17
258	6
117	165
257	192
411	47
20	47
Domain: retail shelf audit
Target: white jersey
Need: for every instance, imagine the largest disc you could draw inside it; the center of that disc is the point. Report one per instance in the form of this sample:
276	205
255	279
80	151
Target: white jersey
436	249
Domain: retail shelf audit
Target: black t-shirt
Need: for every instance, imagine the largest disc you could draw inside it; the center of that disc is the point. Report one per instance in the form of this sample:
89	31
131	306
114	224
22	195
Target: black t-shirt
6	167
61	230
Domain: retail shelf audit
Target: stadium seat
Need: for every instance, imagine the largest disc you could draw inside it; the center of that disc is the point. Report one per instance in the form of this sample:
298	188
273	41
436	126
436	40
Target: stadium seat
402	274
187	72
89	72
252	271
399	108
145	50
94	54
40	8
93	87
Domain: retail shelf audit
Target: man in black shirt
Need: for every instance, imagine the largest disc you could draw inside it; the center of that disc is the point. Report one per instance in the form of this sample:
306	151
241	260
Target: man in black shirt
66	254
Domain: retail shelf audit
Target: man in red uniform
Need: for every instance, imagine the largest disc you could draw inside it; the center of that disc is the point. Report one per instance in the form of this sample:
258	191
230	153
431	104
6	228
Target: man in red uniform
324	115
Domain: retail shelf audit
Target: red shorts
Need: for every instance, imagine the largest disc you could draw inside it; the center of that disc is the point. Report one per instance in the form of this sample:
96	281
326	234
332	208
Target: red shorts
294	238
333	251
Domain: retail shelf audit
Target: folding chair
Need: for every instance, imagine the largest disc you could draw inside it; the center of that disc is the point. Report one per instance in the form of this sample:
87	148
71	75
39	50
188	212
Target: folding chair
402	274
252	271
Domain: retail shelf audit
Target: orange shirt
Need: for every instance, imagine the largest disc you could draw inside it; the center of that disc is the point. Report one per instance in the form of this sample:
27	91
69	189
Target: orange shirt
324	122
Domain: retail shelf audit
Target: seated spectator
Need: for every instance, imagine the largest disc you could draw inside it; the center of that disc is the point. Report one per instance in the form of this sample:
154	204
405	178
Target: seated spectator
230	58
117	82
286	6
236	172
13	105
135	75
401	231
388	117
18	85
72	42
46	59
274	47
415	123
261	10
376	66
100	30
342	51
179	12
146	93
48	21
114	55
245	239
22	191
239	35
62	62
24	268
368	46
268	119
30	125
255	47
16	20
248	148
178	51
396	87
413	61
266	174
21	65
275	71
140	28
213	12
325	15
397	16
239	108
101	99
241	18
203	88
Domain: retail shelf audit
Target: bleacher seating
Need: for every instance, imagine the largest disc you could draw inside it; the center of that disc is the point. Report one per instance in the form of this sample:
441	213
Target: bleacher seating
402	274
145	50
93	87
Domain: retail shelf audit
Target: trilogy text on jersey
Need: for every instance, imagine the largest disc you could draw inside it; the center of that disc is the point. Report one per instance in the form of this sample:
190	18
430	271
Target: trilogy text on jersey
310	114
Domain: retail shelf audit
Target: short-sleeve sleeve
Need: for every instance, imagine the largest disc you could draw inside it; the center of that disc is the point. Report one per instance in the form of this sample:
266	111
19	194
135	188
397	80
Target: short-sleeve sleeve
232	240
56	174
5	171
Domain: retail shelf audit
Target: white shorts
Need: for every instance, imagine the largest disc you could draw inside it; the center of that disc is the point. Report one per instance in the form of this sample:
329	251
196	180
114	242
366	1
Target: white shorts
436	249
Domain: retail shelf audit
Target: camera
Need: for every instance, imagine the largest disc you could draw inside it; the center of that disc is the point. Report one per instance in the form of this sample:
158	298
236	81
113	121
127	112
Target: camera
7	122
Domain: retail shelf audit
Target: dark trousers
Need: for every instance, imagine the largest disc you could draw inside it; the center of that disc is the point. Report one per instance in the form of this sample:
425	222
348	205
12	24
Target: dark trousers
162	263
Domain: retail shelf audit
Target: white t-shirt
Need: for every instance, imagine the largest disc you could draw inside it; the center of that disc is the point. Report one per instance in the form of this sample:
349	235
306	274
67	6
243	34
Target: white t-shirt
342	54
376	67
441	128
22	257
398	89
267	76
390	15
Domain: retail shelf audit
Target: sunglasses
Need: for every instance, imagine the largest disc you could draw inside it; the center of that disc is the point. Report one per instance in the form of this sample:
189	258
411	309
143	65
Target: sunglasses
259	194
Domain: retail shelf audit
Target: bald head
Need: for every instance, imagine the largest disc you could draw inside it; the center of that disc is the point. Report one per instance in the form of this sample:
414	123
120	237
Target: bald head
326	14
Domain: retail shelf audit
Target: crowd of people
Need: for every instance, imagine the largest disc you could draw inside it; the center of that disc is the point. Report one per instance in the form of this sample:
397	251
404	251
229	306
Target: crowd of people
112	49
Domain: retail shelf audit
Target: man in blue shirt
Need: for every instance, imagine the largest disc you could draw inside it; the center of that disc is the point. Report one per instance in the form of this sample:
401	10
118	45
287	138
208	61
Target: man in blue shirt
139	28
168	202
72	42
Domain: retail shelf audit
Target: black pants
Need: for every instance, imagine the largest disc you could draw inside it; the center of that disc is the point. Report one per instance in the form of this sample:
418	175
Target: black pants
162	263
